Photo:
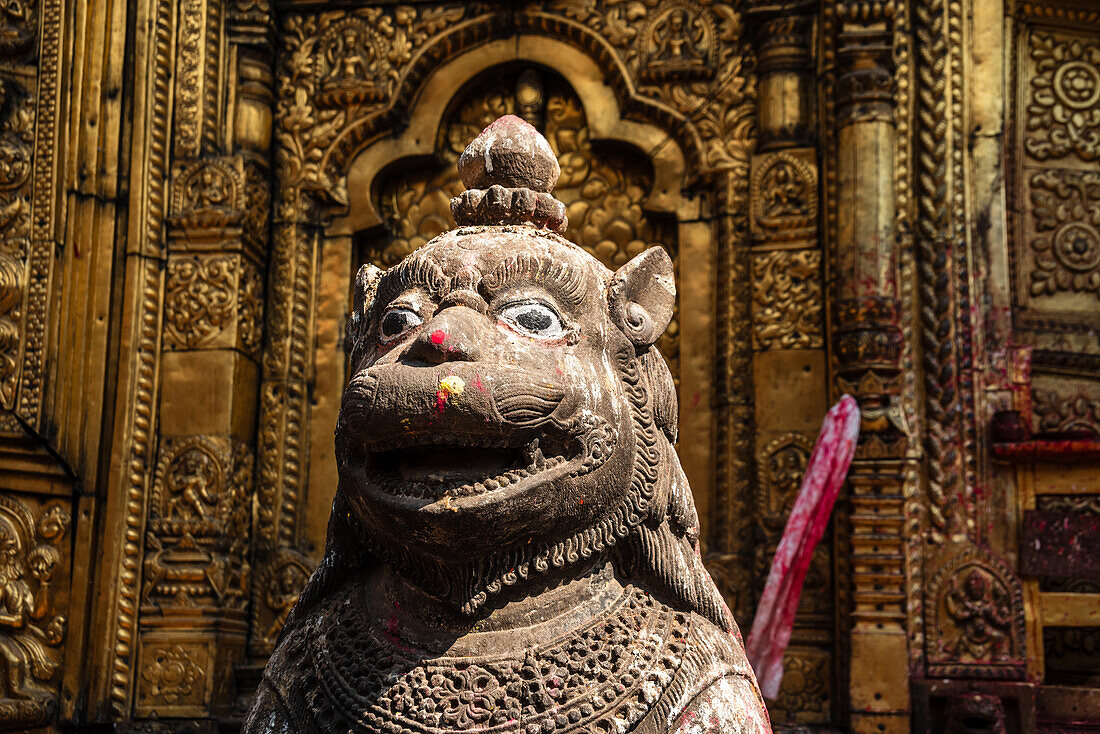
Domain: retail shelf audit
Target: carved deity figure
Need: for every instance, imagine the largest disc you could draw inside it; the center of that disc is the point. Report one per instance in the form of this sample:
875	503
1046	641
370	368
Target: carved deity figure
346	58
513	545
192	486
21	652
675	38
981	615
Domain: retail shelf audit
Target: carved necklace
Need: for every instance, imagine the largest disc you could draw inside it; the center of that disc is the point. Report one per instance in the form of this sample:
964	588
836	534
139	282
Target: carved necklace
602	677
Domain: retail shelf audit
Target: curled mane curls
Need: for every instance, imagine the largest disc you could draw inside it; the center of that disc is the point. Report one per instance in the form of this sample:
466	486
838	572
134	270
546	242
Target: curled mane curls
664	548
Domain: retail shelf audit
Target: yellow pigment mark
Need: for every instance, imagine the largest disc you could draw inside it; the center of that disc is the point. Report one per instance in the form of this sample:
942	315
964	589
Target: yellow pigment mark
451	387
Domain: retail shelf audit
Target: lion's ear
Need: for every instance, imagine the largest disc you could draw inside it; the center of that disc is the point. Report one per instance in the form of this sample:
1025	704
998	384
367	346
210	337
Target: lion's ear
362	300
642	296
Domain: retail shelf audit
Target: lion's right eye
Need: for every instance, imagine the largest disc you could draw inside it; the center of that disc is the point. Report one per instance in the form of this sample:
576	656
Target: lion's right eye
396	321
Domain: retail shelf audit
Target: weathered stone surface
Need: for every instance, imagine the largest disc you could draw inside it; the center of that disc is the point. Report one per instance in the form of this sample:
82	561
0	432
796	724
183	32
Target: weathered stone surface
513	545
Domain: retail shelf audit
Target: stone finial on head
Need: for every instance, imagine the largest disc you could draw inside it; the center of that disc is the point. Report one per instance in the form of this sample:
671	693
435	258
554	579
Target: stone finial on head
509	171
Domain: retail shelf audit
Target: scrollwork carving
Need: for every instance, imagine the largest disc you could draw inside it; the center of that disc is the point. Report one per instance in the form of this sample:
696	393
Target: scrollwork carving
200	299
786	294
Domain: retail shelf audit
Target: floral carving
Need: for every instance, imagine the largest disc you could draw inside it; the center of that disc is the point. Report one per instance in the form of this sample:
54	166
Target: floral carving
1066	249
786	292
1063	116
660	43
171	674
1055	411
200	298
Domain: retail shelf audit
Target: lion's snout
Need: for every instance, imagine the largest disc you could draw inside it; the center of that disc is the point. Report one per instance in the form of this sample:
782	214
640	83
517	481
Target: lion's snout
385	404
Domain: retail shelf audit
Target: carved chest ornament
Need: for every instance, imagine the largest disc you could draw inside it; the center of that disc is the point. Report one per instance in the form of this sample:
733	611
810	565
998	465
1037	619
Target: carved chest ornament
513	546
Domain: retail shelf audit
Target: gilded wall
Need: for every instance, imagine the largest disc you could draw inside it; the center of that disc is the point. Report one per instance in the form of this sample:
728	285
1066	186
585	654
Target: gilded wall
896	199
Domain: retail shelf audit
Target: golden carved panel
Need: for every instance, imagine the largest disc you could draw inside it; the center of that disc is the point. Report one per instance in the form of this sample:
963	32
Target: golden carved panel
1056	248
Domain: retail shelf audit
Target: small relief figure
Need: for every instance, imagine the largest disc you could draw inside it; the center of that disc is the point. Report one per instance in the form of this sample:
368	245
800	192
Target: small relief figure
22	641
347	57
981	613
193	485
17	27
209	189
675	38
281	596
784	191
350	73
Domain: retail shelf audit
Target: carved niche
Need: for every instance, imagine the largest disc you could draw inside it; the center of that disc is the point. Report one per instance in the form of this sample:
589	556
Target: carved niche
975	610
199	519
34	563
603	187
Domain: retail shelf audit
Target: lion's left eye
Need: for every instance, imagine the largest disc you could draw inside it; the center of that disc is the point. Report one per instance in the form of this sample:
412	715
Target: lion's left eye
534	318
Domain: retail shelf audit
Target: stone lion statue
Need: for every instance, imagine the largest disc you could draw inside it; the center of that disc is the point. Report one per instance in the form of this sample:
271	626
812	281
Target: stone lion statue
513	546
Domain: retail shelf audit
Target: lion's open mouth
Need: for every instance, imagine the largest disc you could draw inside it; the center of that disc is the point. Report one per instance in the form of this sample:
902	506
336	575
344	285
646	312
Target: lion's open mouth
458	466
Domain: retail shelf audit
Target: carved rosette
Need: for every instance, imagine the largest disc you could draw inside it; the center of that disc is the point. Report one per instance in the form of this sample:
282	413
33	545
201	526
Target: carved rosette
975	606
1063	112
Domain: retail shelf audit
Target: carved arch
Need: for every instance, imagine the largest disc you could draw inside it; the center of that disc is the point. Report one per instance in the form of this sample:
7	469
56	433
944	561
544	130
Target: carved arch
602	110
534	35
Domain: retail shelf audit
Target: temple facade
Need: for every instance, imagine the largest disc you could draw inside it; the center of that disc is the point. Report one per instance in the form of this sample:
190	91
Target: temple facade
893	199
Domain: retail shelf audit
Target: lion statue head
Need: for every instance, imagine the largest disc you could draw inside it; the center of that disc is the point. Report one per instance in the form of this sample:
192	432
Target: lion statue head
508	416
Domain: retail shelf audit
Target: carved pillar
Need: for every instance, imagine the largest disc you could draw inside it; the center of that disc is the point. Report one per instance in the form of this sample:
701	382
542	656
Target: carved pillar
196	569
195	576
789	360
868	348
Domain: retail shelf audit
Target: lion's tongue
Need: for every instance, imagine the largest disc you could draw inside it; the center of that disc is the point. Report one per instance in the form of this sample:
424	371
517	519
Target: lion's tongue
449	464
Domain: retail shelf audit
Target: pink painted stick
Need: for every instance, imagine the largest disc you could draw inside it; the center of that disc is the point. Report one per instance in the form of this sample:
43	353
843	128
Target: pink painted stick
825	472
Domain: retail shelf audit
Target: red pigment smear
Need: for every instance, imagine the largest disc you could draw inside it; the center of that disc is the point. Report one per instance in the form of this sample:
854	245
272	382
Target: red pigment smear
478	383
825	472
438	336
440	401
